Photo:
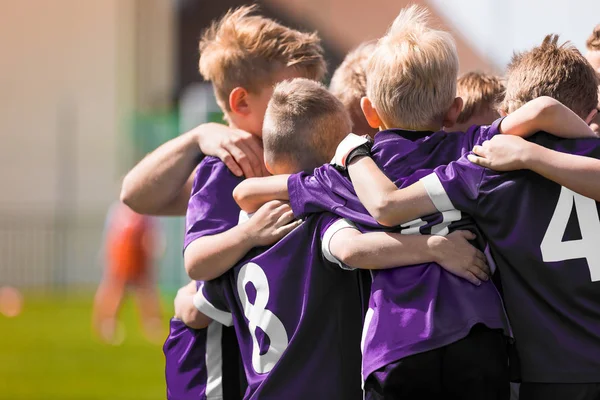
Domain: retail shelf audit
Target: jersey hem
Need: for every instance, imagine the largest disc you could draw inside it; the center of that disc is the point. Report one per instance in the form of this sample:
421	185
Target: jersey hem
431	344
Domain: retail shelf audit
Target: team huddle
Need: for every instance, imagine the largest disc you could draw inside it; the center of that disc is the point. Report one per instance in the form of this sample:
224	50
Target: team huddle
444	248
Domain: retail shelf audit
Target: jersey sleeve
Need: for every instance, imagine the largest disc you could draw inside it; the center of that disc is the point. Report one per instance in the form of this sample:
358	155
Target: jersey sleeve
327	190
479	135
332	228
211	209
455	186
314	193
210	300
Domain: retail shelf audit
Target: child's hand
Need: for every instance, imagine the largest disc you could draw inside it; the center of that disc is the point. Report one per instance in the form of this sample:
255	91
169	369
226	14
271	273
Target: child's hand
241	151
185	309
457	256
270	223
502	153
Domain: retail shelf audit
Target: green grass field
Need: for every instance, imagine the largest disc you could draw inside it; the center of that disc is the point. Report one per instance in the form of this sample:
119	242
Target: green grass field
48	352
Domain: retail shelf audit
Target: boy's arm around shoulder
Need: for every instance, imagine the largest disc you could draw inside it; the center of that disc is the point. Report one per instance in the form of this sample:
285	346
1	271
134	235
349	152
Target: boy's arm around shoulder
254	192
581	174
208	257
383	250
548	115
389	205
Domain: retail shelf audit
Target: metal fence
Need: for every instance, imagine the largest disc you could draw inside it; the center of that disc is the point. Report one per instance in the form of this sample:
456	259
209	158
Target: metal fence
62	253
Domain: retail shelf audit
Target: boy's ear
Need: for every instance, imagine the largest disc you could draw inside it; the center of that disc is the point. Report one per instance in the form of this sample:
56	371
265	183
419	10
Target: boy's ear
238	101
269	168
502	112
591	116
453	113
370	112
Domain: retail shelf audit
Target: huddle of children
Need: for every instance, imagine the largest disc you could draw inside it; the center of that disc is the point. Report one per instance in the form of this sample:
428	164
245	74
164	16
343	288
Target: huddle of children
428	321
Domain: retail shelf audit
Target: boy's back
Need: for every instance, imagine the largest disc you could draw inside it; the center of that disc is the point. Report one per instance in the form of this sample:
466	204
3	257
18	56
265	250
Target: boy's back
544	238
298	318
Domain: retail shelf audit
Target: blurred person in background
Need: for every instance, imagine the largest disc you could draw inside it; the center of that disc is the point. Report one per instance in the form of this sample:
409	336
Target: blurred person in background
481	93
131	244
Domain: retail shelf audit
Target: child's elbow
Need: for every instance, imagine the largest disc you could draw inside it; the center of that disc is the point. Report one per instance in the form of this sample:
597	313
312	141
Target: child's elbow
382	212
197	269
352	254
350	258
240	194
546	105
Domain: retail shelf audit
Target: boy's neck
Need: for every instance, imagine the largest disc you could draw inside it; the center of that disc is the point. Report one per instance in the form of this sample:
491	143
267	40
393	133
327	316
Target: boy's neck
233	125
430	128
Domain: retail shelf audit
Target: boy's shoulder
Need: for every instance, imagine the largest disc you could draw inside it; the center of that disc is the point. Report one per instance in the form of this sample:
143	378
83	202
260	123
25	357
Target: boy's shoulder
213	171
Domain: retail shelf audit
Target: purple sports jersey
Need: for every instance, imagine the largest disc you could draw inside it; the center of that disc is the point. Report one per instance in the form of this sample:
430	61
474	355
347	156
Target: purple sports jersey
422	307
202	364
297	316
211	209
545	240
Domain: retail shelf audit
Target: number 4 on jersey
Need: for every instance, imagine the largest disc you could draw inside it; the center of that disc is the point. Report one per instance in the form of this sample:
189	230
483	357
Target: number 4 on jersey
554	249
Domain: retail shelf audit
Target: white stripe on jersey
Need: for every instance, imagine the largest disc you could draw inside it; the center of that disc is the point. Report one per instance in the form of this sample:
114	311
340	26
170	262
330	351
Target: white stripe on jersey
332	230
436	193
214	361
206	308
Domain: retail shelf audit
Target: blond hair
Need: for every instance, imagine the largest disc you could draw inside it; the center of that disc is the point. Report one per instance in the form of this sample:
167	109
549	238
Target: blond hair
303	124
411	77
349	81
558	71
243	50
480	92
593	42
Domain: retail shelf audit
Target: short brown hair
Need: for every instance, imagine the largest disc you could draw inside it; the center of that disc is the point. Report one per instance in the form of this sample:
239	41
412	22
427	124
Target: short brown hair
411	77
349	81
593	42
480	92
303	124
558	71
243	50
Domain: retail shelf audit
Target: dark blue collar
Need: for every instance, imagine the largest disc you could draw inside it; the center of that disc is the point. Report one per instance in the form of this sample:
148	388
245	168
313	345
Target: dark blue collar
408	134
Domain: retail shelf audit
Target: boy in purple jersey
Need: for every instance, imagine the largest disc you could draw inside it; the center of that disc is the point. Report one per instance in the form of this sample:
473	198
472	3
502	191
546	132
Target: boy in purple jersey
550	277
284	298
439	336
243	56
201	362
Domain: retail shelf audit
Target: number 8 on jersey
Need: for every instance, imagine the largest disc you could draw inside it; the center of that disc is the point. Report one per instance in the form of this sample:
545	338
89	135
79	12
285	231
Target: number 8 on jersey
259	317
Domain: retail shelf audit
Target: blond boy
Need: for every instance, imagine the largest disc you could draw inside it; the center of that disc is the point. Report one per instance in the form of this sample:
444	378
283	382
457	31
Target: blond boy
481	93
243	56
349	85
